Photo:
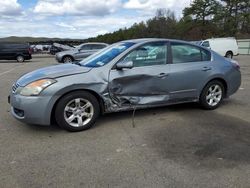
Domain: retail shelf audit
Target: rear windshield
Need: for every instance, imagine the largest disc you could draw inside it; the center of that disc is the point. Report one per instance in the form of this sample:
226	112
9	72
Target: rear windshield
106	55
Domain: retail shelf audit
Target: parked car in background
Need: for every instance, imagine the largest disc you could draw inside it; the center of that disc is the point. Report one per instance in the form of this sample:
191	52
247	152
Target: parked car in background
80	52
226	47
15	51
40	48
53	50
57	47
127	75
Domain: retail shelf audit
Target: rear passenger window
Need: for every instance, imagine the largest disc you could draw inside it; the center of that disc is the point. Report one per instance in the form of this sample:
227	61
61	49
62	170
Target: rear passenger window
86	47
99	46
184	53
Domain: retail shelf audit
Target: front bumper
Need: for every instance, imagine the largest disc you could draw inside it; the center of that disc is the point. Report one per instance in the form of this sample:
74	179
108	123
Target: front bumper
31	109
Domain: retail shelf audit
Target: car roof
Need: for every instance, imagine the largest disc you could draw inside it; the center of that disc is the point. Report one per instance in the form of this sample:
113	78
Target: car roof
16	43
102	43
142	40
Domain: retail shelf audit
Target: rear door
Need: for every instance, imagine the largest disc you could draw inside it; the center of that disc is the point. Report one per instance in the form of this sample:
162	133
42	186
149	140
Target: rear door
190	68
147	82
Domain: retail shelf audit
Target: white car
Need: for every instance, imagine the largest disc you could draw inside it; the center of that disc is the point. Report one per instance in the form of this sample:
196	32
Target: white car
224	46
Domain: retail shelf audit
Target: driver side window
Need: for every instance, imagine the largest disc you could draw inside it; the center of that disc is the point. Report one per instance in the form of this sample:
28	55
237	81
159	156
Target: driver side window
148	55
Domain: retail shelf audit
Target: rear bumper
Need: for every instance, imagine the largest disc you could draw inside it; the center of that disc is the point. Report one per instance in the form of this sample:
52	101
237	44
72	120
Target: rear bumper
58	59
234	82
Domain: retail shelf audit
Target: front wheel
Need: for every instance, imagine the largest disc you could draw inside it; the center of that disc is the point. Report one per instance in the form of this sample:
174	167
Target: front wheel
77	111
212	95
67	59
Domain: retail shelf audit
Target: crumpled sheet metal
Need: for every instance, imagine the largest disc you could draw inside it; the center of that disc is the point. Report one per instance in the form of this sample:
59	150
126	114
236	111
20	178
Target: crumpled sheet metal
130	91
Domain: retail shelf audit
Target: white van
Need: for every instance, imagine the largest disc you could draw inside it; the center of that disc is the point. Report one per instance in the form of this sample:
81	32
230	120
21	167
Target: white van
224	46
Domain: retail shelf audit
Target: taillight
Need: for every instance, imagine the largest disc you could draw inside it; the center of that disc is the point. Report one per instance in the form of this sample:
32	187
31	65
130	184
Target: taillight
30	51
235	64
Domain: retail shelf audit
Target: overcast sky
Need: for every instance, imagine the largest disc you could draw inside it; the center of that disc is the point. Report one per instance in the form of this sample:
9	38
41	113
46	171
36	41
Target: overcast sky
77	18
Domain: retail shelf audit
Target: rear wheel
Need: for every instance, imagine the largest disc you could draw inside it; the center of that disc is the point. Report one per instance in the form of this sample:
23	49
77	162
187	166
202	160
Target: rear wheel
20	58
77	111
229	55
212	95
67	59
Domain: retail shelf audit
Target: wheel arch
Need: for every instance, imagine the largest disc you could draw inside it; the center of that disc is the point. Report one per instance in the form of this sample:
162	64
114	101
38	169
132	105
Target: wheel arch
68	55
95	94
223	81
19	54
229	51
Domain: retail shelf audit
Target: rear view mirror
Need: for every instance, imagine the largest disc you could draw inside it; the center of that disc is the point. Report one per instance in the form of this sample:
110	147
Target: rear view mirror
125	65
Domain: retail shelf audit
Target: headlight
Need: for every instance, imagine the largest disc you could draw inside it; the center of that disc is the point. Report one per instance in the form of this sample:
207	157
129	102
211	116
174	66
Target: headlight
35	88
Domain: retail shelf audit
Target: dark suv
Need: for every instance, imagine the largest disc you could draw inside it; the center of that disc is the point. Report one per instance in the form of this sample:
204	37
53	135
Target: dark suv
15	51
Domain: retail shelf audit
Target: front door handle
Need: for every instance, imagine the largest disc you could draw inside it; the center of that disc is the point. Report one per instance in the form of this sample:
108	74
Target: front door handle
206	68
162	75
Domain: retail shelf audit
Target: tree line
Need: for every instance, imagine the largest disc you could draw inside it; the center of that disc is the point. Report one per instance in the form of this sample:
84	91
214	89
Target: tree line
202	19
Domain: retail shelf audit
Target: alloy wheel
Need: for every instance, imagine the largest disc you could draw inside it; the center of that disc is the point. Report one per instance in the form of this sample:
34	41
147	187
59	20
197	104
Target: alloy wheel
214	95
67	60
78	112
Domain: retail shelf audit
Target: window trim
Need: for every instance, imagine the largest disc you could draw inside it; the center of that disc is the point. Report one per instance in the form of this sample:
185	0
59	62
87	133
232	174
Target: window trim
182	43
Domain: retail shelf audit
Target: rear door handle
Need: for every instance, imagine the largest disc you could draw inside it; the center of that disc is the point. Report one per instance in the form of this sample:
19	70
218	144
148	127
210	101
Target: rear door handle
206	68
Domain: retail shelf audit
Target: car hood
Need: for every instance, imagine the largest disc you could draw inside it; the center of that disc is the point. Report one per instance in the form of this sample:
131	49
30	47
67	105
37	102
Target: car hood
52	72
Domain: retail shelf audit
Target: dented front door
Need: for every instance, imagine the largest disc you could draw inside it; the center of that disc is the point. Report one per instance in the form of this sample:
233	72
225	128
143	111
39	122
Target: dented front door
147	82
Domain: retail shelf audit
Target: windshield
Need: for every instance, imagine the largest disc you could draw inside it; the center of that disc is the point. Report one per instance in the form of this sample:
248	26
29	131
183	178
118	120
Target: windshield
106	55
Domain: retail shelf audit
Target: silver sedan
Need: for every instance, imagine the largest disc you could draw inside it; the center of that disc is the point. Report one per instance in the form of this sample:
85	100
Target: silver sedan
80	52
127	75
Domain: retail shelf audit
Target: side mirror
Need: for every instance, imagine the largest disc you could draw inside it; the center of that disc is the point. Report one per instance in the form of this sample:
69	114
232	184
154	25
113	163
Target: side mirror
124	65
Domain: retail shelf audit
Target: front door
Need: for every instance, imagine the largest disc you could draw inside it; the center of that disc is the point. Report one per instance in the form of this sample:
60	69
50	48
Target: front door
147	82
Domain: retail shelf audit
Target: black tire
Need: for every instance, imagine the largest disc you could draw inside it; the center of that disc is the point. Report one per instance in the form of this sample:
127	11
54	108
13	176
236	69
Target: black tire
61	115
67	59
229	55
20	58
204	97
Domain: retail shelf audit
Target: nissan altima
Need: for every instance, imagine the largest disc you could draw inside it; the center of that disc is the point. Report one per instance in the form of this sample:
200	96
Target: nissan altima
127	75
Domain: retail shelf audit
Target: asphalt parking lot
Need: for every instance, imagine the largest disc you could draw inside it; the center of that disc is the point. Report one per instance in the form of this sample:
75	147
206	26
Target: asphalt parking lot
176	146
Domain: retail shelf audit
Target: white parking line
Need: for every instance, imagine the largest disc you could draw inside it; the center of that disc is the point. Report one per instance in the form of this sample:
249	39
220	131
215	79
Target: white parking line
2	73
241	88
